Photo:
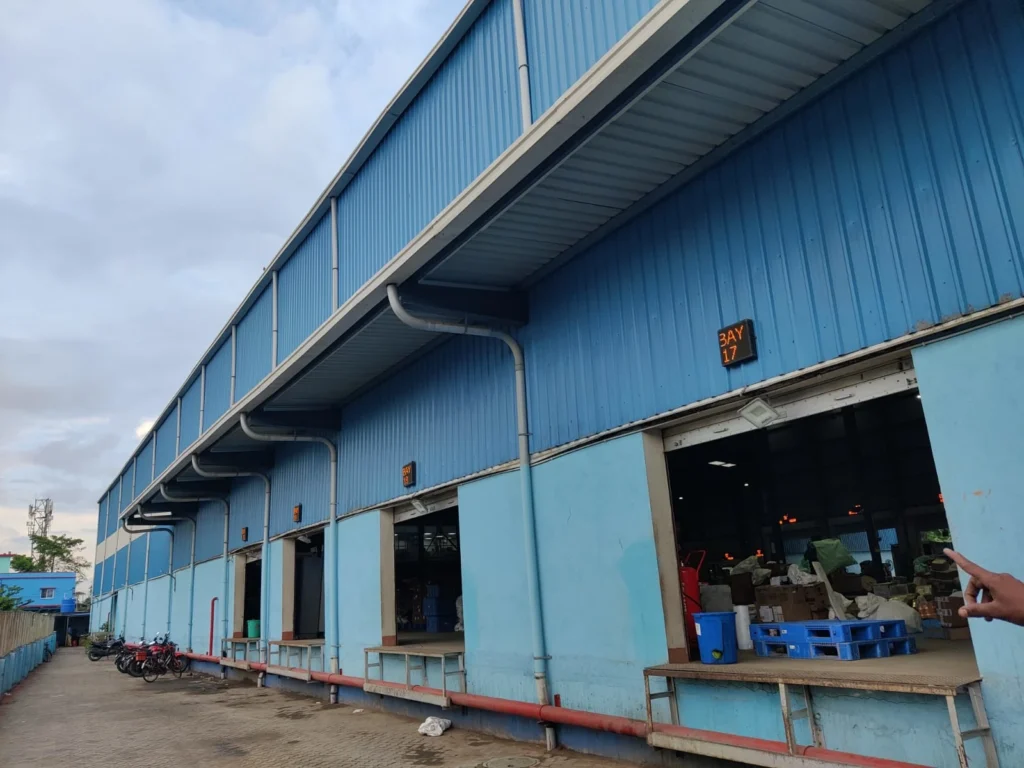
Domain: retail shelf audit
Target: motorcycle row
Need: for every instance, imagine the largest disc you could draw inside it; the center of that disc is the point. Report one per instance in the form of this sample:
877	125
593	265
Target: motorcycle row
146	660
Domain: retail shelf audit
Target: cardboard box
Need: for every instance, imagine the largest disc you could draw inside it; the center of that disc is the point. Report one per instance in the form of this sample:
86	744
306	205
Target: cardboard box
791	603
889	589
948	610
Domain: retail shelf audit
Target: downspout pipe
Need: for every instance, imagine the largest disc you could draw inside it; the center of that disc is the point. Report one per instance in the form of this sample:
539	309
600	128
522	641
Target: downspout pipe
169	530
331	584
522	64
264	573
192	559
540	655
170	563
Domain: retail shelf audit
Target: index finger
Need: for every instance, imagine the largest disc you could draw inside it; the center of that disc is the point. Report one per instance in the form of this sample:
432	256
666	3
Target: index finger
966	565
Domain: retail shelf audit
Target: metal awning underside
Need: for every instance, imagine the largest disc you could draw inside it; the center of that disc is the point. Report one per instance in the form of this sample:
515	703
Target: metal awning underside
771	51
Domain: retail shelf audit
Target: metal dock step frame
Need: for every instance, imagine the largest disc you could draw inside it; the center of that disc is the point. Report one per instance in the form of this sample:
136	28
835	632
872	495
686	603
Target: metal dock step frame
452	660
795	680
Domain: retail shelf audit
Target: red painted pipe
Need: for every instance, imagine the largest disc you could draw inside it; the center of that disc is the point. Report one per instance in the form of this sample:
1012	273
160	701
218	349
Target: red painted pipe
213	603
608	723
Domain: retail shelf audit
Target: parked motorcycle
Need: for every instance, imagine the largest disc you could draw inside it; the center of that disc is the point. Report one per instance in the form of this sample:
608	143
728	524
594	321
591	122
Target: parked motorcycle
104	648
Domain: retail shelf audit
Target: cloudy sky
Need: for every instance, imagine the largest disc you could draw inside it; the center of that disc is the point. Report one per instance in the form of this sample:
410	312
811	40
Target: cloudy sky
154	155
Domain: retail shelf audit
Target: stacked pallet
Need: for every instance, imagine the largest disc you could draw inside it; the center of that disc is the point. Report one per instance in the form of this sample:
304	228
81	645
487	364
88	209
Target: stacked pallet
839	640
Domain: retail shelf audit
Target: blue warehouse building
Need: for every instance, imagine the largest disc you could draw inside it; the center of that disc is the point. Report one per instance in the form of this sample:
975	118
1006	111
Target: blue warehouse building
606	284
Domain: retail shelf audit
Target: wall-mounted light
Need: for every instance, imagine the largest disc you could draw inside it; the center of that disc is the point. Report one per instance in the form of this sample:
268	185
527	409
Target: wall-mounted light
245	533
297	513
759	412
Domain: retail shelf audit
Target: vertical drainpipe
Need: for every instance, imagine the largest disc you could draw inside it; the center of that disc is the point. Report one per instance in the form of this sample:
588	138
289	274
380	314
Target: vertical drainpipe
145	587
273	320
192	557
264	571
177	434
540	656
333	625
334	254
234	361
202	397
127	566
522	64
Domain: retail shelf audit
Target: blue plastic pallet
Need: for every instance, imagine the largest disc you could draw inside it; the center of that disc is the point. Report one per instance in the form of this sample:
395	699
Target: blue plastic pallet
853	651
845	631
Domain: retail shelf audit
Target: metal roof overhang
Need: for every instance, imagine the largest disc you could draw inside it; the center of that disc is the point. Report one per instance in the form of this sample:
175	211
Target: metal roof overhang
690	83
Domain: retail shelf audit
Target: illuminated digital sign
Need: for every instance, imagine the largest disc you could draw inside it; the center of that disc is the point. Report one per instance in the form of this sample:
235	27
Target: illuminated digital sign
736	343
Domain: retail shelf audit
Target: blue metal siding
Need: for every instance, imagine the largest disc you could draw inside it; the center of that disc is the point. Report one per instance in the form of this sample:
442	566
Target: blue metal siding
565	38
452	412
108	575
97	578
190	414
101	525
246	511
127	493
144	467
218	385
137	561
834	232
160	553
166	437
301	475
112	509
253	345
304	289
209	531
120	567
181	546
465	117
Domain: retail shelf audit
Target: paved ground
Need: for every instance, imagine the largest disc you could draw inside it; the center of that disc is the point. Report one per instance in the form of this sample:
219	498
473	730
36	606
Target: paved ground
73	712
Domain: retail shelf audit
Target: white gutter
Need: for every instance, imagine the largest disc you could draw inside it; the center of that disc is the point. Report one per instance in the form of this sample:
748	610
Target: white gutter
670	22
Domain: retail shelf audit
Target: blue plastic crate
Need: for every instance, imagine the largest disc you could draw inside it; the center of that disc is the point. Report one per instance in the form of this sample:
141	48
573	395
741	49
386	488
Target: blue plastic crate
780	647
438	606
440	623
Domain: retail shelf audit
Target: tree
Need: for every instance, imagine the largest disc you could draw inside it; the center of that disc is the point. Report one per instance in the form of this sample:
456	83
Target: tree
9	600
52	553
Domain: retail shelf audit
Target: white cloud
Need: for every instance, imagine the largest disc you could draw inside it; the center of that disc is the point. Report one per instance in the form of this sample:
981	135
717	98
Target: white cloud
144	427
154	155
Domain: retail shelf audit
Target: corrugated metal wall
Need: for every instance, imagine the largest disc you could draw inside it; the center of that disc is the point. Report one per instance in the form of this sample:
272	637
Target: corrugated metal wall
304	289
166	435
126	487
253	345
101	525
246	511
137	561
301	475
888	205
112	509
160	553
565	38
465	117
144	467
209	531
218	385
190	413
181	546
120	567
108	574
452	412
